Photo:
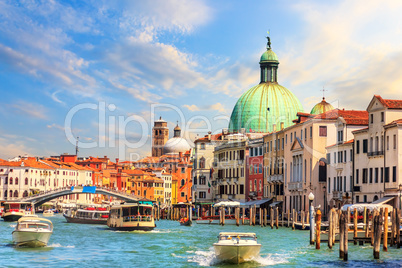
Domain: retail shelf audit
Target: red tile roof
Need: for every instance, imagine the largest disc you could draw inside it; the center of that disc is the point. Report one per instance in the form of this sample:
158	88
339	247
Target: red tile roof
352	117
394	123
390	104
214	137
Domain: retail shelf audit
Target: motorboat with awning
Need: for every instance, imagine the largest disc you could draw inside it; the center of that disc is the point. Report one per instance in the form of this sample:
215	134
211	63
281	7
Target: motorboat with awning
229	218
14	210
32	232
88	215
236	247
132	217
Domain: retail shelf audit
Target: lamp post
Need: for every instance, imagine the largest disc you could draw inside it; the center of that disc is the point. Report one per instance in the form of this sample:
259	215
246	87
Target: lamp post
312	224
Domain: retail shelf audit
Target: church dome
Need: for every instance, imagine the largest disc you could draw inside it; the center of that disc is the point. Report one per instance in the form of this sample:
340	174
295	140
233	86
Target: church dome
176	145
321	107
267	103
269	55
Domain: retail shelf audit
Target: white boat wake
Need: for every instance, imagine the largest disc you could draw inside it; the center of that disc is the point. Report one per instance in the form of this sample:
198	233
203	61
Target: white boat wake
57	245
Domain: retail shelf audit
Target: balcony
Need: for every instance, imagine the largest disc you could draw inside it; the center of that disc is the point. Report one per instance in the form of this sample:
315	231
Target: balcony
298	186
235	180
275	178
337	195
376	153
228	180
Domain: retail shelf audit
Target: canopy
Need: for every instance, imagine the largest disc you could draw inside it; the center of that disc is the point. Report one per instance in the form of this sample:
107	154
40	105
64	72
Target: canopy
275	203
258	203
360	207
227	204
384	200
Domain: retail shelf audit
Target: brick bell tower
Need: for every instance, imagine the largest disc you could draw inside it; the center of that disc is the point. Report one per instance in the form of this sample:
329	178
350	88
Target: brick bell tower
160	135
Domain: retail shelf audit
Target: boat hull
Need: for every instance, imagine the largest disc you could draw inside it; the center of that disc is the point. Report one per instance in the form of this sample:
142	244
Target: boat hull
31	238
216	221
187	223
236	253
12	216
133	228
84	221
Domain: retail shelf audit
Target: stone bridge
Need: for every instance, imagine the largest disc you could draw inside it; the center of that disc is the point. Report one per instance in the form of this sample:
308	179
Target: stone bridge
42	198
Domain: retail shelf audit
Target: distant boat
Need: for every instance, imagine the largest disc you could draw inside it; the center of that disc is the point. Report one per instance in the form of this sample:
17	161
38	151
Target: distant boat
185	222
236	247
87	216
229	220
48	213
132	217
32	232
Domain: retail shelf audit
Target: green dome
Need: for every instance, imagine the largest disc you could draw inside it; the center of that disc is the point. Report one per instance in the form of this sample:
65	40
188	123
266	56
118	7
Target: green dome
251	110
321	107
269	55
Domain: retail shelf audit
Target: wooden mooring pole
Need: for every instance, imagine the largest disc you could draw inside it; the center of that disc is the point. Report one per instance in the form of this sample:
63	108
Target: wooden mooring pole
265	217
277	217
341	235
272	216
330	227
318	229
385	241
355	214
346	235
377	230
293	219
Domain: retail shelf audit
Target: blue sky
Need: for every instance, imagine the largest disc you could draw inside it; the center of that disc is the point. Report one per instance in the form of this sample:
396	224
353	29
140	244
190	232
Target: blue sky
130	62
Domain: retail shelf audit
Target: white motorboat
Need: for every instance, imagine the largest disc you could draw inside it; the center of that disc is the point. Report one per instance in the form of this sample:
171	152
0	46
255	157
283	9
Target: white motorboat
32	232
236	247
48	213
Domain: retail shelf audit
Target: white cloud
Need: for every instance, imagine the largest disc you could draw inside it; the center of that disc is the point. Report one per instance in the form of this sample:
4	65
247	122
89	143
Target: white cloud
34	110
219	107
353	48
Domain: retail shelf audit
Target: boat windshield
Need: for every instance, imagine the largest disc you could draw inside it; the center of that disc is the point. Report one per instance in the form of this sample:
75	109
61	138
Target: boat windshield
234	236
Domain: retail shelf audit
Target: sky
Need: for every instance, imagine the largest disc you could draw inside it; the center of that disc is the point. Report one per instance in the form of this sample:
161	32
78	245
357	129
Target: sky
103	71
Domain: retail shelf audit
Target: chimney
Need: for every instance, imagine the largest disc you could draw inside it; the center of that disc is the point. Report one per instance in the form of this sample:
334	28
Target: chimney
209	135
180	154
117	161
274	127
282	125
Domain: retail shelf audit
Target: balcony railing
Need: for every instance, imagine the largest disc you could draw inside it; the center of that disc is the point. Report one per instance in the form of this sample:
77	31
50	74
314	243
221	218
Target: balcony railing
376	153
295	186
275	178
337	195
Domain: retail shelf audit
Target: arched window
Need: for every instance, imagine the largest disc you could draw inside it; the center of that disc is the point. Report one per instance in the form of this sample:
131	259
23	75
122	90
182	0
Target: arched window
182	182
256	169
26	181
16	193
5	194
202	146
251	169
11	193
260	185
255	185
11	182
25	194
16	181
6	180
260	169
251	185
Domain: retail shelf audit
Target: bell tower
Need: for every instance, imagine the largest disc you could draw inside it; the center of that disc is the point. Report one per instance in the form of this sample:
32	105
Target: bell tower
160	135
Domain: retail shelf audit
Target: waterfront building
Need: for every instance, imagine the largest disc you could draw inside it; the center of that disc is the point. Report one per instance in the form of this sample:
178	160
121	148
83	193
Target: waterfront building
254	170
229	177
339	188
266	104
203	167
377	153
305	155
274	164
167	184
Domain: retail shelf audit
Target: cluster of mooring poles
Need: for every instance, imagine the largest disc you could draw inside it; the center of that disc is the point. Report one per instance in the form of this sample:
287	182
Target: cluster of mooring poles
376	229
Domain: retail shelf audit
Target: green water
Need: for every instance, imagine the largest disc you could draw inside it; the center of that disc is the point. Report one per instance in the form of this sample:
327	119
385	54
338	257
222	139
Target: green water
172	245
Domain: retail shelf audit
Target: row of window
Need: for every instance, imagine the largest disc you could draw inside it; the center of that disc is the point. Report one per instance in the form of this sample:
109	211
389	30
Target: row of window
255	169
255	151
375	175
231	173
339	184
231	155
340	157
375	144
231	189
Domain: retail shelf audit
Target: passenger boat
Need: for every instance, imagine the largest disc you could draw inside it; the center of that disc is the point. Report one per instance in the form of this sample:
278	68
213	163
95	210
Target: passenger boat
32	232
132	217
237	247
48	213
87	215
13	211
185	222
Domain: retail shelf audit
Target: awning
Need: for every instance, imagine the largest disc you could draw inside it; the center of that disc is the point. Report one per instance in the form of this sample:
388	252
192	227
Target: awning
227	204
275	203
258	203
360	207
383	200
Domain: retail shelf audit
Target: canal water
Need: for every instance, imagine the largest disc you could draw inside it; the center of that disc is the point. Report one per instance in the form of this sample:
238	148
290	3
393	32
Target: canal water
172	245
